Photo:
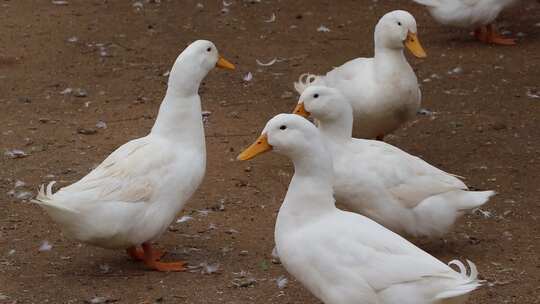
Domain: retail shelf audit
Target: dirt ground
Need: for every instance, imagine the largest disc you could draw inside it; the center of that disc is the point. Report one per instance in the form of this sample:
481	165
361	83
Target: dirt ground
113	55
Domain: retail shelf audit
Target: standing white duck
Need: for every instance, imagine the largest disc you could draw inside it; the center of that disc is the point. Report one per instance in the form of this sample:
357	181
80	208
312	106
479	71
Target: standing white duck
383	91
399	191
477	14
343	257
136	192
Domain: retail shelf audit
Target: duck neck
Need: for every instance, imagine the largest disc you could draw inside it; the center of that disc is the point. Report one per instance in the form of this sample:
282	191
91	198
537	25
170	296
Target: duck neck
389	60
179	118
310	192
339	129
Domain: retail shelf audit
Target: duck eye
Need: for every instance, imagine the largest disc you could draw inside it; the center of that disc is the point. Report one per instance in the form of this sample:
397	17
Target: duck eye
316	96
399	23
209	49
283	127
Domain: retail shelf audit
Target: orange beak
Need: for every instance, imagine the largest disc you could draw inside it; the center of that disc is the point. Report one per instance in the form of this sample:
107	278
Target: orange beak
413	44
260	146
224	64
300	110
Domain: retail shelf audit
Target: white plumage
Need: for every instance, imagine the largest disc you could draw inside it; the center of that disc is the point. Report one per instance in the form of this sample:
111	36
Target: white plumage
472	14
135	193
465	13
344	257
383	91
398	190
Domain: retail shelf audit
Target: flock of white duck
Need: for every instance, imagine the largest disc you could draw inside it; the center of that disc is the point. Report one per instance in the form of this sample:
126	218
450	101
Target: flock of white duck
342	257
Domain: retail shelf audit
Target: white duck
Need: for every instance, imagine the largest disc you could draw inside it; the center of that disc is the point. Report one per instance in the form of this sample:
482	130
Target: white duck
344	257
135	193
400	191
383	90
477	14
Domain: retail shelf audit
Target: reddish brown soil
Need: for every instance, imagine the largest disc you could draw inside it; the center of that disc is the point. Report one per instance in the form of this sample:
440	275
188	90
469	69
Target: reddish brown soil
484	127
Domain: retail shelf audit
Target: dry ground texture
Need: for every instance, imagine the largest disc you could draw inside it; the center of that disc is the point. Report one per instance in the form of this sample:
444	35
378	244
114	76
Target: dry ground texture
483	125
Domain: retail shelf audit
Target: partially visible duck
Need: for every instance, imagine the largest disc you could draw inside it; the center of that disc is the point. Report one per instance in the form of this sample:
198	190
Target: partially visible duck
383	91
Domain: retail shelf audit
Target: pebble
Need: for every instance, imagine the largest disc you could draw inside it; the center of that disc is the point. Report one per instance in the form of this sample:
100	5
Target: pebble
24	99
80	92
86	131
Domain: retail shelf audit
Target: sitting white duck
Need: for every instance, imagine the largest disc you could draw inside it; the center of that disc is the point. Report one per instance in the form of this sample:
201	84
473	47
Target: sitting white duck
343	257
399	191
477	14
136	192
383	90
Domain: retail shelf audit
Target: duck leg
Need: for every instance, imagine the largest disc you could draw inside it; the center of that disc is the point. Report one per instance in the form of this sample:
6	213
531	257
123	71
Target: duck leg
481	33
150	261
138	254
495	37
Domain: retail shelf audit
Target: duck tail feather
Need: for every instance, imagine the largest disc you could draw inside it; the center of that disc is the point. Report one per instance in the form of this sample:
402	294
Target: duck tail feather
475	199
304	81
45	198
468	283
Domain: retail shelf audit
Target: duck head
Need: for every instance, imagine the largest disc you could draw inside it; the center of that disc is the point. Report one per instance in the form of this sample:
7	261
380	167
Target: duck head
194	63
323	103
287	134
397	29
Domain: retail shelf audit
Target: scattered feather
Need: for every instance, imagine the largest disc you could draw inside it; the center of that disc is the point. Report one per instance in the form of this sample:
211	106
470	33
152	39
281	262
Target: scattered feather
59	2
19	183
205	116
138	5
104	268
45	246
282	282
456	70
243	279
23	195
226	4
484	213
532	93
101	124
15	153
203	212
271	19
248	77
231	231
66	91
73	39
269	63
98	300
184	219
424	111
323	29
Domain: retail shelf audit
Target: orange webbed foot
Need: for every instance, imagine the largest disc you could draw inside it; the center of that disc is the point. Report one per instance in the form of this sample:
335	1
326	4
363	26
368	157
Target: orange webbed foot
490	34
138	253
149	259
166	266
